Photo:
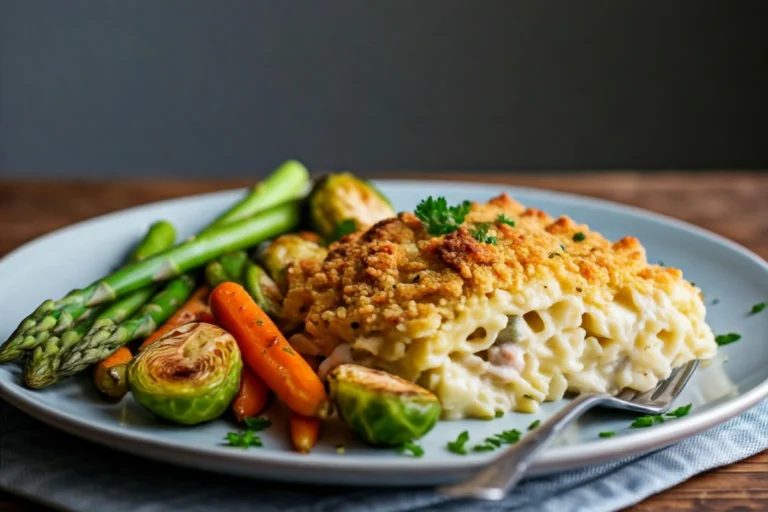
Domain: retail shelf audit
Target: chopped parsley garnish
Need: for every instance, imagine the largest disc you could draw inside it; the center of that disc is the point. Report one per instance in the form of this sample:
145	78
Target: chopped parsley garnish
715	302
439	218
499	414
288	350
553	254
259	322
650	420
647	421
579	237
255	423
563	248
244	440
661	263
607	434
534	424
758	308
480	233
680	411
458	446
495	441
503	219
725	339
345	227
529	397
416	450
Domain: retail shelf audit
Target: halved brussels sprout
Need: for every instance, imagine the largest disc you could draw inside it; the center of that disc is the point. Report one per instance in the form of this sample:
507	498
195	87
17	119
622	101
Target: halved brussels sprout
382	409
287	249
263	290
189	376
342	203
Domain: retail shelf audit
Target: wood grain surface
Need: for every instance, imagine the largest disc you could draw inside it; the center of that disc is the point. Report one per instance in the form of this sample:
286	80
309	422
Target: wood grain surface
733	204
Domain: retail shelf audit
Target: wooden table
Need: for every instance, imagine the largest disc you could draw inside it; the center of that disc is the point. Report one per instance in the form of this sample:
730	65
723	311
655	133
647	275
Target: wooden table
732	204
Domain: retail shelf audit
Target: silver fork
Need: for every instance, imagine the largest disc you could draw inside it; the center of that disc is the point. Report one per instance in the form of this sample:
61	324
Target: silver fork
497	479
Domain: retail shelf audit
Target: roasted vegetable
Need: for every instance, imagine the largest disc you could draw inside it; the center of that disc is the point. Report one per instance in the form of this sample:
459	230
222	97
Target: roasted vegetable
267	352
341	203
189	376
287	249
382	409
263	290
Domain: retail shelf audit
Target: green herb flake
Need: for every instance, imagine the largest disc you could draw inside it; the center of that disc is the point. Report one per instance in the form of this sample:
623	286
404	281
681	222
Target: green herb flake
534	424
414	449
458	446
715	302
647	421
553	254
259	322
757	308
499	414
529	397
256	423
579	237
288	350
661	263
607	434
680	411
503	219
480	233
509	436
439	218
725	339
483	448
244	440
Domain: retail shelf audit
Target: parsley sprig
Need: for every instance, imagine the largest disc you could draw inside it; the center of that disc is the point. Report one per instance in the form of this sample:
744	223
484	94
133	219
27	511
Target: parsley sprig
439	218
757	308
503	219
480	233
495	441
248	438
414	449
650	420
725	339
459	445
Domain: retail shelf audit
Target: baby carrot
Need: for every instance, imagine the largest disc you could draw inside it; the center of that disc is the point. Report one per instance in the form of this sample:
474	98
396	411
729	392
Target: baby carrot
304	432
109	374
267	352
252	397
191	311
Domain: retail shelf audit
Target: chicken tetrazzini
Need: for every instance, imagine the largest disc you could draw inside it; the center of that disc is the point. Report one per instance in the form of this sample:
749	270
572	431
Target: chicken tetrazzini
531	309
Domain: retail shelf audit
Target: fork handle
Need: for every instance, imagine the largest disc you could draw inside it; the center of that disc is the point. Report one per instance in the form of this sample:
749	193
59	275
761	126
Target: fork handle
497	479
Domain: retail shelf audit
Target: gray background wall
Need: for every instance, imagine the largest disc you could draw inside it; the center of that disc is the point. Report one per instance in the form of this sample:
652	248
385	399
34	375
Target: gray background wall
124	88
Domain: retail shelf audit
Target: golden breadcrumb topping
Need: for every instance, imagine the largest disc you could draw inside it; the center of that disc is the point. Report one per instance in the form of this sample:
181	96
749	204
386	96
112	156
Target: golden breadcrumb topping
395	272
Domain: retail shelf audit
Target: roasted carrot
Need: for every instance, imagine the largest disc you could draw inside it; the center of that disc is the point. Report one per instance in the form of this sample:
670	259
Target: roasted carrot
109	374
191	311
267	352
304	432
252	397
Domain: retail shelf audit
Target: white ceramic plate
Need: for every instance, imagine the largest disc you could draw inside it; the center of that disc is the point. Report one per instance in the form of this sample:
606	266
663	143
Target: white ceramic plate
72	257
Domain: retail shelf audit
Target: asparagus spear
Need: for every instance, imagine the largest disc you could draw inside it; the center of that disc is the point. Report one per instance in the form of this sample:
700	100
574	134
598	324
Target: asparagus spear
38	328
44	361
163	266
288	182
142	324
229	267
42	365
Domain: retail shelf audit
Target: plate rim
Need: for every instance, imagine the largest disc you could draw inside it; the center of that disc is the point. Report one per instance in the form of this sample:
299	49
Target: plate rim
558	459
